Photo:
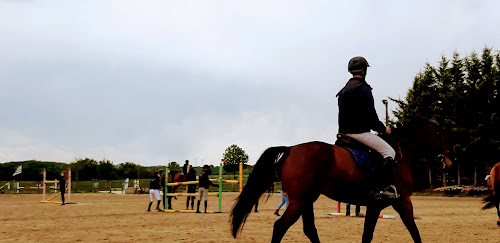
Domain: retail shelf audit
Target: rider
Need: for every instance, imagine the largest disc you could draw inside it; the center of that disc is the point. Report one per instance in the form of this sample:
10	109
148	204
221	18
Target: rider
154	190
357	117
203	185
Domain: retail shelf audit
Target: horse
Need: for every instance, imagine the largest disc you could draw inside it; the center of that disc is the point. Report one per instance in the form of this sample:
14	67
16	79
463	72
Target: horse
310	169
173	176
494	186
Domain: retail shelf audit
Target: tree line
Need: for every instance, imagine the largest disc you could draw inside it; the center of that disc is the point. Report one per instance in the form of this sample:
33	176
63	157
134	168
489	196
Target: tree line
81	169
90	169
462	94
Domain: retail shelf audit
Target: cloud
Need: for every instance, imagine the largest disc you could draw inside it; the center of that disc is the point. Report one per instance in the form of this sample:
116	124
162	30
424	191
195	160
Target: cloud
153	81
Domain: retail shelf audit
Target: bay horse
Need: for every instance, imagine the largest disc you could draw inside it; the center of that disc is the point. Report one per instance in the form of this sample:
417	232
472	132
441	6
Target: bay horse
173	176
494	186
310	169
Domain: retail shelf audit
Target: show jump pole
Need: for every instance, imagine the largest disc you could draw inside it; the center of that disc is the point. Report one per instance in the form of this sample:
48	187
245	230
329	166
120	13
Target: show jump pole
43	183
69	184
220	185
167	170
241	177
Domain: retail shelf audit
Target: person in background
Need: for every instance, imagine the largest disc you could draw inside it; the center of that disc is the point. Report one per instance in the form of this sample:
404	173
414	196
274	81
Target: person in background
488	174
204	184
191	176
284	200
154	190
63	184
185	167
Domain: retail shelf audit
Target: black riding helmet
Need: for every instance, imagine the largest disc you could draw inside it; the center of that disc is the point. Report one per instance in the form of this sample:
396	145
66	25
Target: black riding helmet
356	64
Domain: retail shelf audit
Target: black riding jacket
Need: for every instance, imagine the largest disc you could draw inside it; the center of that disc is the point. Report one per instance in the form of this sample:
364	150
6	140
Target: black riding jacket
191	177
155	183
204	180
356	108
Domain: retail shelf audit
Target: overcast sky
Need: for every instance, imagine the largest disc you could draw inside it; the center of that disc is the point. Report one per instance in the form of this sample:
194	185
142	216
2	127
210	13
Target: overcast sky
157	81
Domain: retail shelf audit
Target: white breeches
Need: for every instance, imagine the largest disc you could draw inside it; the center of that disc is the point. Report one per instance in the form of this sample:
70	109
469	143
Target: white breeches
154	192
375	142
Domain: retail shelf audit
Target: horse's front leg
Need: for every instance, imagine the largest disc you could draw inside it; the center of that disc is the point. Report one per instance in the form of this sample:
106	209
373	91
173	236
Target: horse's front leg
371	218
498	213
405	209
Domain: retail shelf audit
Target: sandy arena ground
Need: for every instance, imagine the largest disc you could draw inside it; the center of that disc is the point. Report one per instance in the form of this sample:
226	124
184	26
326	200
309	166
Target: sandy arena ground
123	218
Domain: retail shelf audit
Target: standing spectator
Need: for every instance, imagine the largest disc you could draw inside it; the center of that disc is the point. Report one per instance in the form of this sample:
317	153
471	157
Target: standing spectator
154	190
204	184
191	176
63	183
185	167
284	200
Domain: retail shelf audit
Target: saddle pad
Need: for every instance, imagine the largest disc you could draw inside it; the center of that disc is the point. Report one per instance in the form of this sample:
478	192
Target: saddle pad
362	158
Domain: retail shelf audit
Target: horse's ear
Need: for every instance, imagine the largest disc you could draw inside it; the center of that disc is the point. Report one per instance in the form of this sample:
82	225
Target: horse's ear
434	120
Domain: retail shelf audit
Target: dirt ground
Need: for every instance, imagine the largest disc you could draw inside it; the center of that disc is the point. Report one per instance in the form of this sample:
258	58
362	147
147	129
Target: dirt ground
123	218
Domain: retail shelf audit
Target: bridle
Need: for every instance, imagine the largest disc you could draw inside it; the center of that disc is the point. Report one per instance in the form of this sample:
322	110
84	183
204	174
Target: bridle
439	132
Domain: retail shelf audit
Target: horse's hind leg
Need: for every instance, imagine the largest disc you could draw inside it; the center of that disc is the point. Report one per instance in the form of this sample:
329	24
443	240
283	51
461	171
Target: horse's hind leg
371	218
405	209
291	215
308	221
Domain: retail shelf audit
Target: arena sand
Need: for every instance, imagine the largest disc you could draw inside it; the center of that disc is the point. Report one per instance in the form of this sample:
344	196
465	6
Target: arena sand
123	218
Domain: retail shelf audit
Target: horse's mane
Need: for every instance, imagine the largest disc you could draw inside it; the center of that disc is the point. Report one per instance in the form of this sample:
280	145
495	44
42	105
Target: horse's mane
407	128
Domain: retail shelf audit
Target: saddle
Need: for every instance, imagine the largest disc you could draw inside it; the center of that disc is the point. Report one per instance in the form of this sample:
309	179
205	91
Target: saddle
364	156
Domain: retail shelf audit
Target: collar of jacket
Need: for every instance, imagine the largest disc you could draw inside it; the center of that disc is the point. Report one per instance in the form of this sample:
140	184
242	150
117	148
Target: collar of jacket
353	84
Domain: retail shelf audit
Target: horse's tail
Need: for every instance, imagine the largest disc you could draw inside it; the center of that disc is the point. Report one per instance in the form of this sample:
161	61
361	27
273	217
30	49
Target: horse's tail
260	180
491	201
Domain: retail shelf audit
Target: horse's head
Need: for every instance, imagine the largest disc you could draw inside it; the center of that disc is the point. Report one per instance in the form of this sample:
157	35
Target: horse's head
438	138
426	136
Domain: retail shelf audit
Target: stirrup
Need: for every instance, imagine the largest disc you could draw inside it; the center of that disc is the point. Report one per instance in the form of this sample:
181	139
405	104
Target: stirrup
389	192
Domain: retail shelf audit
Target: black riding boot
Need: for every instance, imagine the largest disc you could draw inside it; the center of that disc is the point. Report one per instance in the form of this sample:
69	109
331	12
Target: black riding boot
158	206
382	181
169	202
205	206
192	203
187	202
149	208
198	207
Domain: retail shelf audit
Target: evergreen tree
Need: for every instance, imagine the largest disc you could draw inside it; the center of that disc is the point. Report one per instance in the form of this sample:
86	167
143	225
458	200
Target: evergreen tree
462	94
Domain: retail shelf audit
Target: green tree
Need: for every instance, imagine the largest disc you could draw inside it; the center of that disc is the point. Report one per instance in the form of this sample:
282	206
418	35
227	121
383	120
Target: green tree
462	93
84	169
233	156
129	170
174	166
422	100
106	170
